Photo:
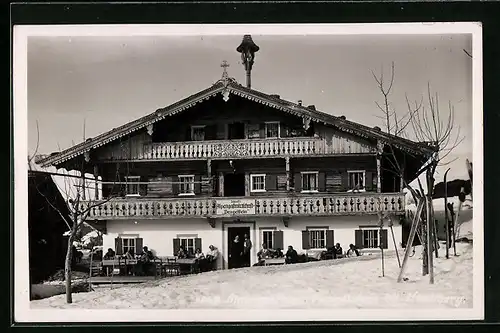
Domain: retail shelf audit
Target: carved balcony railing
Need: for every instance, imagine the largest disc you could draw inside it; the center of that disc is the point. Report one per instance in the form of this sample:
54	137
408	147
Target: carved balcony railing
312	205
234	149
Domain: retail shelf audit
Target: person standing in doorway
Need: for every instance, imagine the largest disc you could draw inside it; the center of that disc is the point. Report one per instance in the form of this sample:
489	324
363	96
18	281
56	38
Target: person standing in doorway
236	252
247	246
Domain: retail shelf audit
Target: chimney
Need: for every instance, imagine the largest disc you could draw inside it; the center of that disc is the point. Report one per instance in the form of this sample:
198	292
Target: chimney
300	102
247	49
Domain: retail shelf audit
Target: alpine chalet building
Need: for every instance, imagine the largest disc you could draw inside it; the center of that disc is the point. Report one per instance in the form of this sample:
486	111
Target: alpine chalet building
231	160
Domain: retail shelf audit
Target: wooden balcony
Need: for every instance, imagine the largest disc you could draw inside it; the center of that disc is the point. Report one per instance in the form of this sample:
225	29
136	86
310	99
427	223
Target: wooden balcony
284	205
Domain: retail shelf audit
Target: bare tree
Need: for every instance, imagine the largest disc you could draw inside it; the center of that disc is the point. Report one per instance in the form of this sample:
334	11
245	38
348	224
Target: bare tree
423	121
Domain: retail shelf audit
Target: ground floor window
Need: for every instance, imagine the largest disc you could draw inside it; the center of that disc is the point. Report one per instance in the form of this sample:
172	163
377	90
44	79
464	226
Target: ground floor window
268	238
188	244
317	238
371	238
128	244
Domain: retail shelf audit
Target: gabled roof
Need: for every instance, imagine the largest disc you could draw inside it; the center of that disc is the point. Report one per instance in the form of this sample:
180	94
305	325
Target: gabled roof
230	86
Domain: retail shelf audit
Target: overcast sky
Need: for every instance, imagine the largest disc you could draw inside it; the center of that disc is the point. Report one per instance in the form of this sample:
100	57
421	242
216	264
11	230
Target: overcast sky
108	81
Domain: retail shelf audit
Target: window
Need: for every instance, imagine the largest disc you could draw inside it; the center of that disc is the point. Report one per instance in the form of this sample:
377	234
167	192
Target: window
132	186
198	133
257	183
188	244
310	181
186	185
371	238
356	180
128	244
267	238
317	238
253	131
273	129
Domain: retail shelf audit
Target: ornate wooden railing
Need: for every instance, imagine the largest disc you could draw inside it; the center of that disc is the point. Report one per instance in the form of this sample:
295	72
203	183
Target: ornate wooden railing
312	205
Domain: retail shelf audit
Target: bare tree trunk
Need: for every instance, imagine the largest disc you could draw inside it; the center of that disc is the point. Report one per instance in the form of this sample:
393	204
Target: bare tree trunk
67	267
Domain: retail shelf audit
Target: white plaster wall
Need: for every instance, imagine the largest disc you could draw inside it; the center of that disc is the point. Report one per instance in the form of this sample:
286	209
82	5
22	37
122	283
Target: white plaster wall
158	235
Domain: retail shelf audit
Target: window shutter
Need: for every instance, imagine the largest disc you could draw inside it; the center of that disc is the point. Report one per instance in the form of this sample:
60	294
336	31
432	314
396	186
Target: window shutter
197	184
297	182
262	130
358	236
305	240
177	246
283	130
369	181
118	246
211	132
271	182
321	182
197	244
139	244
345	181
383	239
278	239
330	242
175	184
188	133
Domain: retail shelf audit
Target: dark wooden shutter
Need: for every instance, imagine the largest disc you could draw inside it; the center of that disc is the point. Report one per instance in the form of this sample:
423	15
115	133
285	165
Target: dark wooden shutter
305	240
278	239
321	182
197	244
297	182
330	242
345	181
211	132
383	239
197	184
271	182
139	244
177	246
188	133
358	236
369	180
262	130
283	130
175	185
118	246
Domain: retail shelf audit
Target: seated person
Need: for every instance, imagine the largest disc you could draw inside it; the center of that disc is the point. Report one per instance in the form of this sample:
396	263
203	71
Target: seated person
291	256
198	254
278	253
109	255
182	253
264	252
144	263
337	251
353	251
129	255
212	256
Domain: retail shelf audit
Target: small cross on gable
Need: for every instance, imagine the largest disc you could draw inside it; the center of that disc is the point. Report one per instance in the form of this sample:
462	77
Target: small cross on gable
224	65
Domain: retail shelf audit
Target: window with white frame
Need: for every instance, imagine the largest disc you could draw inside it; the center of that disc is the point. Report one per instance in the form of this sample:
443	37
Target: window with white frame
128	244
310	181
272	129
258	183
253	131
132	185
371	238
188	244
198	133
186	184
267	237
356	180
317	238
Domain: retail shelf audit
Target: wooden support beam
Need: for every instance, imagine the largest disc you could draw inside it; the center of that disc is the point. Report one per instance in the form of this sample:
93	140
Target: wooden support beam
380	149
96	183
287	168
211	222
285	220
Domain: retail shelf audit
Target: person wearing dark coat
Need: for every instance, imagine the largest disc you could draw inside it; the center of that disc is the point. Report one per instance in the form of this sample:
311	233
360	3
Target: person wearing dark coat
291	256
337	251
236	252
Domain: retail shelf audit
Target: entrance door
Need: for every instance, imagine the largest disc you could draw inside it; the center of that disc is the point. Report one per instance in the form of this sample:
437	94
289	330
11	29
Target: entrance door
234	185
236	131
236	259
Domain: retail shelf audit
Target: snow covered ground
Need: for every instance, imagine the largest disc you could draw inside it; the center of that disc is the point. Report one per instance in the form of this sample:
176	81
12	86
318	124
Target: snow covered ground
345	283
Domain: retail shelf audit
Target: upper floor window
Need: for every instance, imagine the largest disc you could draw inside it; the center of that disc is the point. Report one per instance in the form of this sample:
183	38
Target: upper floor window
186	184
310	181
253	131
356	180
198	133
272	129
257	183
132	186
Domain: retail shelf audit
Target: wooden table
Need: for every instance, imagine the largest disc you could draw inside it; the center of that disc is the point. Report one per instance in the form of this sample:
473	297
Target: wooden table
274	261
192	263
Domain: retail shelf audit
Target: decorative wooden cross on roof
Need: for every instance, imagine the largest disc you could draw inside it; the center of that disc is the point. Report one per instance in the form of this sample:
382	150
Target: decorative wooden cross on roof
224	65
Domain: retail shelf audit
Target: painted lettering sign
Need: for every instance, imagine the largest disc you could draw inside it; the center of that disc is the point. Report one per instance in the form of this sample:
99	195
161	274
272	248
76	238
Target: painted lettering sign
235	207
